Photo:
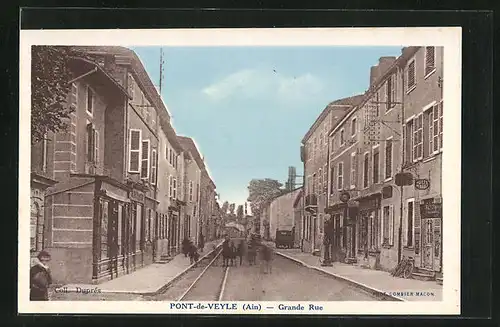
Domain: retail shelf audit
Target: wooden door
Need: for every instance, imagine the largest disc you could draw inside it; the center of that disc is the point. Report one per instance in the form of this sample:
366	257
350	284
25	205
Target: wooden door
428	243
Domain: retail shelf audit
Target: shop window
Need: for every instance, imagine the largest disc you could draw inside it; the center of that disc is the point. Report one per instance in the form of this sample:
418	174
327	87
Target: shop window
104	229
138	229
388	225
410	218
373	232
134	150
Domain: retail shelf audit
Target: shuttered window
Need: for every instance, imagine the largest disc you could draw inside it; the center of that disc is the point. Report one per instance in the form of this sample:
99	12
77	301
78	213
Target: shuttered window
92	141
134	150
418	137
411	78
154	163
145	159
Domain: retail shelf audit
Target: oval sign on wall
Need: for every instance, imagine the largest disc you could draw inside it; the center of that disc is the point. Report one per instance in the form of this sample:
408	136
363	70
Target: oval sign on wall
422	184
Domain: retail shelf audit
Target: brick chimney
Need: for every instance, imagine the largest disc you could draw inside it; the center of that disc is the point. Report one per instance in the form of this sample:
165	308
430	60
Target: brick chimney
383	64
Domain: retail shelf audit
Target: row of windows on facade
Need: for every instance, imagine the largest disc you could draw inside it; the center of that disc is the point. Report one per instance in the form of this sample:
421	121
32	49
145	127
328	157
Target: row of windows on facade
372	231
423	138
155	226
389	88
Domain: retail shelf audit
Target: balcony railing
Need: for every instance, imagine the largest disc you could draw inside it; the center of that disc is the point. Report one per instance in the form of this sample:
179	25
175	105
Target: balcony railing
311	200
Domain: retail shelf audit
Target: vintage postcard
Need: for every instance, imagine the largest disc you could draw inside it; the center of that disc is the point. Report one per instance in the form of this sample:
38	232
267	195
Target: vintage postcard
240	171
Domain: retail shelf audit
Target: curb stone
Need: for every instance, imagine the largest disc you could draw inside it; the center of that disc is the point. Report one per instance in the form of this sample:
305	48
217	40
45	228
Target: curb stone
162	288
179	275
369	289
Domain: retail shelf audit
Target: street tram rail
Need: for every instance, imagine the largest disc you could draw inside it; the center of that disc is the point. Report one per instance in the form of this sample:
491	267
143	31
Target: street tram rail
202	282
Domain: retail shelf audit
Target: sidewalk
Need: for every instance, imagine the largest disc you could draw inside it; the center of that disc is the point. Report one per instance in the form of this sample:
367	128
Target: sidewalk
374	281
147	280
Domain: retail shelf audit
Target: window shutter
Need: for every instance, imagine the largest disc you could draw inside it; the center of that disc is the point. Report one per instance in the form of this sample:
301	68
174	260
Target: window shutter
90	146
391	224
134	150
96	146
411	74
145	159
154	163
429	59
441	125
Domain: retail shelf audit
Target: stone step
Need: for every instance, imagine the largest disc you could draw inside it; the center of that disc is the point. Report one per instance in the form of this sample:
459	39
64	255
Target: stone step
439	280
351	260
423	277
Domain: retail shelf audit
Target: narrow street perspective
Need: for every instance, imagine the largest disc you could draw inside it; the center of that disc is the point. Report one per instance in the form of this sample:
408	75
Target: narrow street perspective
320	177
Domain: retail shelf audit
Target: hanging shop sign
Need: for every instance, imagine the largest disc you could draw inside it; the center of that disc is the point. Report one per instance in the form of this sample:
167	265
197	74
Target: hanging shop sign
345	196
422	184
431	210
137	195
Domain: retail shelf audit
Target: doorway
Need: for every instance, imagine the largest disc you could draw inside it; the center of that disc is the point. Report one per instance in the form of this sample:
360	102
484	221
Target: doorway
428	243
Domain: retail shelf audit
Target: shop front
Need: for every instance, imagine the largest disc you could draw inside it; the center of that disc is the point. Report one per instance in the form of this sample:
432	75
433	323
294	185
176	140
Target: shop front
430	238
118	230
368	225
174	230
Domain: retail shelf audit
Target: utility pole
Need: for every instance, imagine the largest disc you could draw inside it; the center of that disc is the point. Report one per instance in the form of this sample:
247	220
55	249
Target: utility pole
161	69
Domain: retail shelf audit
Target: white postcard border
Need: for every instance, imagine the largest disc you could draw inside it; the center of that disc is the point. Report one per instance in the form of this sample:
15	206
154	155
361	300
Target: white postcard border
449	37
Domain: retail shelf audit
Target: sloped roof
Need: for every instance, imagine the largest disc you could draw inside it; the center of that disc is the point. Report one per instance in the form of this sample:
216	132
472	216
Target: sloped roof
349	102
187	144
151	91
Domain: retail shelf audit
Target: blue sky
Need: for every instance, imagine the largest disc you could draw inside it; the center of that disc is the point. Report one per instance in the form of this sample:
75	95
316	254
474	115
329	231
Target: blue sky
248	108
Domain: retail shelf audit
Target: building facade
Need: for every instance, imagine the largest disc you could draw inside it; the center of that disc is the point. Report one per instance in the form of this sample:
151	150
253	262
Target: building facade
281	212
388	133
112	184
315	159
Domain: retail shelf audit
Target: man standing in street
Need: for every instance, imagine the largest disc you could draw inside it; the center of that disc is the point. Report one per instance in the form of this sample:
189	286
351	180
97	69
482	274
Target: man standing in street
201	242
40	278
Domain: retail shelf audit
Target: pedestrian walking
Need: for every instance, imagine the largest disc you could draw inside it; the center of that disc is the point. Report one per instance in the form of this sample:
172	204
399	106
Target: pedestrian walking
185	246
226	252
241	251
252	251
40	278
193	254
266	259
201	242
233	252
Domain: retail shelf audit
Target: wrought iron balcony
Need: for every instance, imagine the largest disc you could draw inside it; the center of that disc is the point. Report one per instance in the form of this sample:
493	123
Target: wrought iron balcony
311	200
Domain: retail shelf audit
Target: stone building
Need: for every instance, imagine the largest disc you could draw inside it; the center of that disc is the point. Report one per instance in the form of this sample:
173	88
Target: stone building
192	178
314	156
281	212
390	134
115	178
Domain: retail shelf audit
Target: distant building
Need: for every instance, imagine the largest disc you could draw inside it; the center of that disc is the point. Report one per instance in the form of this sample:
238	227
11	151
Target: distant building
396	127
281	212
314	155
